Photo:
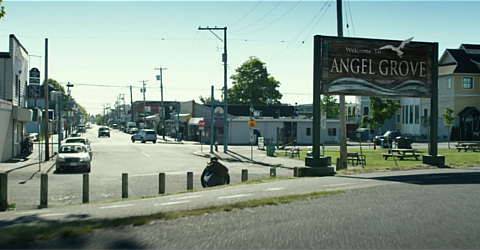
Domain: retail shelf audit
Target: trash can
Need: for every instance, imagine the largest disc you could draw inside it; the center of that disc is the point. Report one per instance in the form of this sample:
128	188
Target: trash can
270	149
400	141
408	142
382	143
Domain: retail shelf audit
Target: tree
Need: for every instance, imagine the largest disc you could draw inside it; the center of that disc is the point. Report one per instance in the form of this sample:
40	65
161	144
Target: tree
2	10
448	120
253	83
207	100
380	112
330	105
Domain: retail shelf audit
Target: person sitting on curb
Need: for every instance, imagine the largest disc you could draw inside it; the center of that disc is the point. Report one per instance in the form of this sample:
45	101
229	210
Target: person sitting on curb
215	174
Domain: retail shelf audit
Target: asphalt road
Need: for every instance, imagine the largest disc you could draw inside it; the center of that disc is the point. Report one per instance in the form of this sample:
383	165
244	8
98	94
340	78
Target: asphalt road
116	155
420	209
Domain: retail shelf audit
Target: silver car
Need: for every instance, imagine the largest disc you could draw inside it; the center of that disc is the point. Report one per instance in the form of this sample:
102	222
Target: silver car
73	156
145	135
85	141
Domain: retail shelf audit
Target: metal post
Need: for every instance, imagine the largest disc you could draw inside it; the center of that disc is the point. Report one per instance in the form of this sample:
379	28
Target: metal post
189	180
225	119
47	155
212	122
161	183
3	191
43	190
343	123
124	185
244	175
86	188
59	119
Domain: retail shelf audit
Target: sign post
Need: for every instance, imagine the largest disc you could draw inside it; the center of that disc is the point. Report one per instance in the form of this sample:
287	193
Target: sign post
201	125
251	123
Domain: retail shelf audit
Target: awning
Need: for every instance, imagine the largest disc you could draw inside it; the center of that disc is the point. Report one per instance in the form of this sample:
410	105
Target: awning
155	118
194	121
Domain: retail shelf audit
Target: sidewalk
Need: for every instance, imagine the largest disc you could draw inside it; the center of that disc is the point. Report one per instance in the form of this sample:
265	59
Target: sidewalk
24	160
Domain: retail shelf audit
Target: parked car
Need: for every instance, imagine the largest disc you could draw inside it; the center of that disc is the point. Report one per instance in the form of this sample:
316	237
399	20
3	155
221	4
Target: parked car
103	131
389	136
81	129
83	140
73	156
145	135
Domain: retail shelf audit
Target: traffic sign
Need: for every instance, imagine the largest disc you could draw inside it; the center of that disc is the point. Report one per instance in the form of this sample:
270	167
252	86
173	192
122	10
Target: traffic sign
34	90
201	123
252	123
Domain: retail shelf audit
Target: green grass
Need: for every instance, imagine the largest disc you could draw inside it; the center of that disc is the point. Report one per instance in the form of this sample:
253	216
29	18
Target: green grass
53	229
376	161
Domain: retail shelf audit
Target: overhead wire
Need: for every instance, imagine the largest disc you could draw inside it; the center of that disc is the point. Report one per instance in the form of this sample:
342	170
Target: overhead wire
295	39
260	18
274	21
245	14
351	18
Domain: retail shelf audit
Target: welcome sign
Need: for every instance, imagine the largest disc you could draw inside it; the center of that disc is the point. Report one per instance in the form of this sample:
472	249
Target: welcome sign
371	67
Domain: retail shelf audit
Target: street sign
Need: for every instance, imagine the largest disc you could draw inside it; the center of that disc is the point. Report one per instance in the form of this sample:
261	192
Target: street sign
201	123
252	123
34	90
34	76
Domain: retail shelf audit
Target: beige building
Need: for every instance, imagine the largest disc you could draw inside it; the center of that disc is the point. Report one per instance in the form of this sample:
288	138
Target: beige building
459	89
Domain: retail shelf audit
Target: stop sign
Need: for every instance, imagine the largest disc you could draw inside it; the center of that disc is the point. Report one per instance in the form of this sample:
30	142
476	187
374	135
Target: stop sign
201	123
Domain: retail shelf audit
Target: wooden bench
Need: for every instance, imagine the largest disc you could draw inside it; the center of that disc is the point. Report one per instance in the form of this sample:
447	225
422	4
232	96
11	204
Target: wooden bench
355	158
401	157
293	152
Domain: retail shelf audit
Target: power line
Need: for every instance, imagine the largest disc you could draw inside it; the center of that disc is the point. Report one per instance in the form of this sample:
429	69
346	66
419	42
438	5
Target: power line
245	14
261	18
350	11
276	20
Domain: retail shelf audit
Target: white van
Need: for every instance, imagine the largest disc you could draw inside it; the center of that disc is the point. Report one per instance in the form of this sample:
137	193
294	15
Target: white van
130	125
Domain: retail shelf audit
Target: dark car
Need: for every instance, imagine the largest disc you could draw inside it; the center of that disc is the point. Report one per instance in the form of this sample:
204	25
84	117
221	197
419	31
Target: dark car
390	136
80	129
103	131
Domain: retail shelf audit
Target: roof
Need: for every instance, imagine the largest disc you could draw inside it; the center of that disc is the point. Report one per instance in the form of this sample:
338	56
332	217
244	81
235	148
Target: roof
267	111
471	46
469	112
465	61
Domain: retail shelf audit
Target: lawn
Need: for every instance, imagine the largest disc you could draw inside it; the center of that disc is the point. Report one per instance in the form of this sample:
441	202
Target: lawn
376	161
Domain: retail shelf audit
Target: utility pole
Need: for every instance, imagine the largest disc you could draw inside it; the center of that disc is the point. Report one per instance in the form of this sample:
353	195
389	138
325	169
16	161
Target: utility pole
131	104
162	119
144	90
343	124
225	89
47	153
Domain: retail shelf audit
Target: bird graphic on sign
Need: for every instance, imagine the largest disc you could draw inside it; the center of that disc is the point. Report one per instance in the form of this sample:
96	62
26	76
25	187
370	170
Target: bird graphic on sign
398	49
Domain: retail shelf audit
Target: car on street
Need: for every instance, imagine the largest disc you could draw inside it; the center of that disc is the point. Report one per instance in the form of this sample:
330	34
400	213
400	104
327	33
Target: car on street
81	129
145	135
389	136
134	131
83	140
73	156
103	131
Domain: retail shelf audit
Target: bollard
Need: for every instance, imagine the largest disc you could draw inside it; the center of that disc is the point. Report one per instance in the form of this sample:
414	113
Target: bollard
189	180
124	185
244	175
43	190
295	172
161	183
86	188
273	172
3	191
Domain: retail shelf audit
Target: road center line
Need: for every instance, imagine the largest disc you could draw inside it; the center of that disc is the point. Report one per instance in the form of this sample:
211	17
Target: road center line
234	196
171	203
145	154
186	197
114	206
339	184
274	189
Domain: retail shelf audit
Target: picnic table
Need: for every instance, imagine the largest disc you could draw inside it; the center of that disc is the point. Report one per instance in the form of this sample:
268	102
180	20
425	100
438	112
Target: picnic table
356	158
468	146
401	153
292	152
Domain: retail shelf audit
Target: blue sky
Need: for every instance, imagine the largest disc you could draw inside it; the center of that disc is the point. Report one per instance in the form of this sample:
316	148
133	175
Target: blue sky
105	46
